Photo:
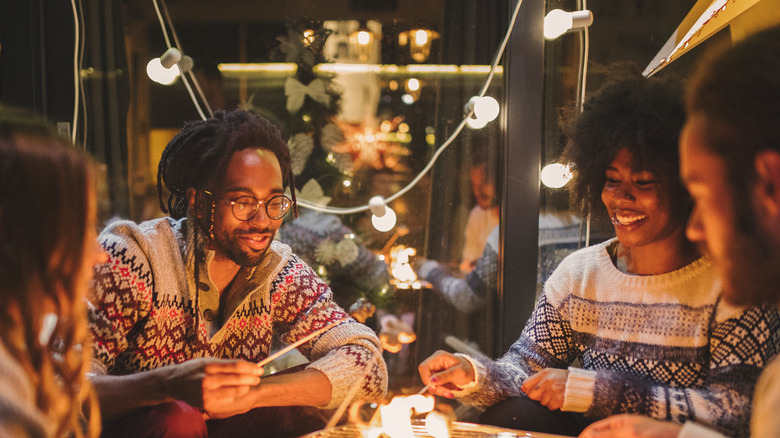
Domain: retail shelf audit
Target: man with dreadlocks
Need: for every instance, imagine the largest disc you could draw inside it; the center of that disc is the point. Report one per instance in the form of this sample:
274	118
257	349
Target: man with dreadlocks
189	303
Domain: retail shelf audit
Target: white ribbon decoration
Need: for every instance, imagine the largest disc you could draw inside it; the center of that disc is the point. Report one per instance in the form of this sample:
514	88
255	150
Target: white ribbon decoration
296	92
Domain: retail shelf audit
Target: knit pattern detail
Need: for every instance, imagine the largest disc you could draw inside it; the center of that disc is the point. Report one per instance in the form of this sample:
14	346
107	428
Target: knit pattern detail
661	346
143	312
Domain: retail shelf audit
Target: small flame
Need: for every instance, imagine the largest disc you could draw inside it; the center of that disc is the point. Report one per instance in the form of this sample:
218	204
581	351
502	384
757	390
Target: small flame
400	268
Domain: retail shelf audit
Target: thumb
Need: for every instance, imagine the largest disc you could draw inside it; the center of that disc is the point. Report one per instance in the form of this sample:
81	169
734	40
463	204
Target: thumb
455	375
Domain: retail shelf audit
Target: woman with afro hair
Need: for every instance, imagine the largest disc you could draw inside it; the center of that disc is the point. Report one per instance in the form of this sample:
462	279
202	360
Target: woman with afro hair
633	324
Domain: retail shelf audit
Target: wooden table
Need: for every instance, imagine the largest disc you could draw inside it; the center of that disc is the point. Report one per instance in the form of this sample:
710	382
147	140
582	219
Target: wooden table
458	430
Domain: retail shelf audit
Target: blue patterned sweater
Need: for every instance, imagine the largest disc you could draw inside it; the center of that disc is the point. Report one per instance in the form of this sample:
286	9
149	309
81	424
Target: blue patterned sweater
663	346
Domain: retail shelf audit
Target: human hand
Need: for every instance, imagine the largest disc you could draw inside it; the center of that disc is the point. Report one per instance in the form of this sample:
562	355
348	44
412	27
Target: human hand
631	426
548	387
444	372
215	385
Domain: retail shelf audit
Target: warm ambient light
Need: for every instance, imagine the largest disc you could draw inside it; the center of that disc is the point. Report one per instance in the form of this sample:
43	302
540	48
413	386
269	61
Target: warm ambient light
557	22
382	217
556	175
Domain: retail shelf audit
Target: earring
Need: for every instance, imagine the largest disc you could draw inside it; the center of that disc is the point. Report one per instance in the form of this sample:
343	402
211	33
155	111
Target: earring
211	223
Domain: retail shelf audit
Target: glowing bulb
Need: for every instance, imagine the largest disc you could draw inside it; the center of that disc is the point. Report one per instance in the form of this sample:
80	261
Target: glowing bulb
382	217
556	175
158	73
363	38
413	84
407	99
484	107
557	22
476	123
420	37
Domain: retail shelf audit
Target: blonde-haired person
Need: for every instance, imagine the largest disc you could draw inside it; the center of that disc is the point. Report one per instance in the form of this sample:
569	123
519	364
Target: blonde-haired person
48	248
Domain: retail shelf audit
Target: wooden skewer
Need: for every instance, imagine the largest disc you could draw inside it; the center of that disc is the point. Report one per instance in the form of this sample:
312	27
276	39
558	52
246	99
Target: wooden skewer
299	342
424	390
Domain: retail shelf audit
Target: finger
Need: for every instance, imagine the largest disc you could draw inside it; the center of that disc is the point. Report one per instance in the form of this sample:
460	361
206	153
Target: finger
441	391
425	373
531	382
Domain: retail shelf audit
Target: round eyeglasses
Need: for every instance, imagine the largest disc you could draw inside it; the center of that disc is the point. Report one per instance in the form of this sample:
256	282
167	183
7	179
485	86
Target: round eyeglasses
246	207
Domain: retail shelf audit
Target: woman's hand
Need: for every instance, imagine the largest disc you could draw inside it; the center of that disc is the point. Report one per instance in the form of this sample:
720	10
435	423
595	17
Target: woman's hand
631	426
548	387
444	372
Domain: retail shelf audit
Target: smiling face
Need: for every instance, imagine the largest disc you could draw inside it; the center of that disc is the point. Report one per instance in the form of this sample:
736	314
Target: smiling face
250	172
639	206
731	229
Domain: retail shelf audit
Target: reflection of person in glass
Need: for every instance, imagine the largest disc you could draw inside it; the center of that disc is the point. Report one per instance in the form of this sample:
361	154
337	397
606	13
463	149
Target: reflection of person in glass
641	312
466	294
730	162
47	252
483	218
188	303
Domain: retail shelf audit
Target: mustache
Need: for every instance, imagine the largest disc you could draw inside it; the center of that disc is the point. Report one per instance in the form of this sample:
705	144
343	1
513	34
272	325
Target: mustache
253	230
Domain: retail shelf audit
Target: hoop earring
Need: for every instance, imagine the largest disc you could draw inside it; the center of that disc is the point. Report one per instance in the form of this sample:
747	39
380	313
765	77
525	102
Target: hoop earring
211	224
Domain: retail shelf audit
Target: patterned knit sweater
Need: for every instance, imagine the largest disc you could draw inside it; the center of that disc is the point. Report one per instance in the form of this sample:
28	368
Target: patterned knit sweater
148	312
658	345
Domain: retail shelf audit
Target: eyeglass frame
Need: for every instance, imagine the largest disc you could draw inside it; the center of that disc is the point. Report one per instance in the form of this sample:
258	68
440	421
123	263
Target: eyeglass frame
233	203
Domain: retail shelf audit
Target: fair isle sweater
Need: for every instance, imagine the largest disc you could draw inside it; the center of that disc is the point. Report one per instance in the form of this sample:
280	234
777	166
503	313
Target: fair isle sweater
147	311
662	346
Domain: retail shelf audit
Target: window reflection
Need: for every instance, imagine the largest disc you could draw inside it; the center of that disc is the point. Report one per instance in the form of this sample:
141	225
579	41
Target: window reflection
364	102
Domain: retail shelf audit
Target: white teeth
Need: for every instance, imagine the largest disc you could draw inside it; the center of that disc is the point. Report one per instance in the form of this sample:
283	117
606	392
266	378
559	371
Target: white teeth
628	220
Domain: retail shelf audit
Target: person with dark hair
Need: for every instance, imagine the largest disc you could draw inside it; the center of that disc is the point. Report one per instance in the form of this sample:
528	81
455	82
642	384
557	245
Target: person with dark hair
641	312
730	163
483	217
47	251
189	303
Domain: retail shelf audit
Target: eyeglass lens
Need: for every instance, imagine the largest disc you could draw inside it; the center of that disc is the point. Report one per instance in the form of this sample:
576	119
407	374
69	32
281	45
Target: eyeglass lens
245	207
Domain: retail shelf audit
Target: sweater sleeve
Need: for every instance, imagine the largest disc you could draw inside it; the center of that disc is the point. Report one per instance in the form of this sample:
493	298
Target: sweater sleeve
349	354
739	348
121	296
546	342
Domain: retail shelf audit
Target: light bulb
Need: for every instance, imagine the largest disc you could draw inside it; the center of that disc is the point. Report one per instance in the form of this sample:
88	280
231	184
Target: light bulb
476	123
382	217
170	57
484	107
556	175
158	73
186	63
363	37
557	22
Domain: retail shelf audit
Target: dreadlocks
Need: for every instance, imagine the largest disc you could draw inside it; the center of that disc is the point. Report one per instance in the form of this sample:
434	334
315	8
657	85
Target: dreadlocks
197	157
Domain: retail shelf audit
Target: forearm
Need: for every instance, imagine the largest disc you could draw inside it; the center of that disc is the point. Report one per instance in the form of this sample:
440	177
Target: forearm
118	395
307	387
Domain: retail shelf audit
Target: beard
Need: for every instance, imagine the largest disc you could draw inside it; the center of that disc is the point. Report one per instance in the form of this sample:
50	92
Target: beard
751	269
229	246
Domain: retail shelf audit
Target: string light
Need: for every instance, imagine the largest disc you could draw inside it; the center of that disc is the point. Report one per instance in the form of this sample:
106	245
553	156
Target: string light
165	69
382	217
352	210
557	22
556	175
